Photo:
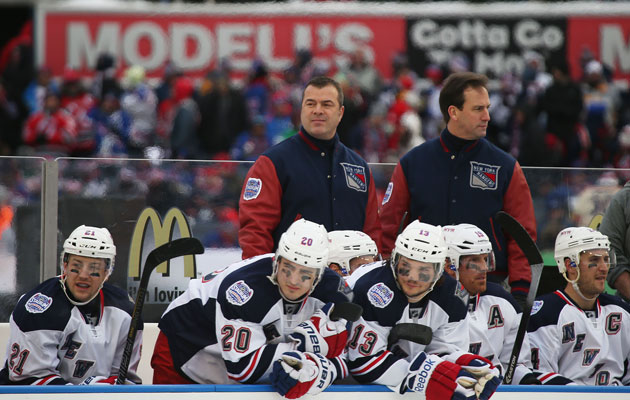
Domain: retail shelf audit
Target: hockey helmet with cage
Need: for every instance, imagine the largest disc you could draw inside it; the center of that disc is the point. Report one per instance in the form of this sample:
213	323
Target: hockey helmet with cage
346	245
467	239
423	242
573	241
304	243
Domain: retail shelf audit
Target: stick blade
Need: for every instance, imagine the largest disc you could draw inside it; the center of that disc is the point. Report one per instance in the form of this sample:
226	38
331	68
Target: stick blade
512	227
416	333
348	311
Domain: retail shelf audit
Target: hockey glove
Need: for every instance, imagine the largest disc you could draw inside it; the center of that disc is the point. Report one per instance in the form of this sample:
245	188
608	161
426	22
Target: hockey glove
322	335
297	374
100	380
488	376
530	379
438	379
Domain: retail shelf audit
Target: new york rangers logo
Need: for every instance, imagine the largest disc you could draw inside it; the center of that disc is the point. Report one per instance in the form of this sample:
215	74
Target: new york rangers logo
239	293
355	177
38	303
252	189
380	295
484	176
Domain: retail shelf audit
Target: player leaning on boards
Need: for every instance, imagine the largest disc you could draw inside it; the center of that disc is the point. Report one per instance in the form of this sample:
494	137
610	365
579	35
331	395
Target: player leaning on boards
582	332
349	250
72	329
261	315
493	313
416	292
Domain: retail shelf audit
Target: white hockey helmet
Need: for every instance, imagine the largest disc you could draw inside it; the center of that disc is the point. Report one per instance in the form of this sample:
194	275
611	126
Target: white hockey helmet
571	242
304	243
347	245
467	239
421	242
89	241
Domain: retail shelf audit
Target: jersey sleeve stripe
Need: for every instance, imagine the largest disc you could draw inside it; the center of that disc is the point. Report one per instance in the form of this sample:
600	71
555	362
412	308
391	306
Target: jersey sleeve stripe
46	380
360	370
249	369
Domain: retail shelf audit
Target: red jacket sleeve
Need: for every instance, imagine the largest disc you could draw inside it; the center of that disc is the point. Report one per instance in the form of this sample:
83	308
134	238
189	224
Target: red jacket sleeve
372	224
518	203
260	214
395	203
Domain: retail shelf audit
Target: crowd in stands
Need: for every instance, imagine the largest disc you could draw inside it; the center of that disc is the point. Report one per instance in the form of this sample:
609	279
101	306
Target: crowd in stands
541	116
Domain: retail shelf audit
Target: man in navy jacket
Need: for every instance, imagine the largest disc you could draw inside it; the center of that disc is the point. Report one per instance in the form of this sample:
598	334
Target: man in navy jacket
460	177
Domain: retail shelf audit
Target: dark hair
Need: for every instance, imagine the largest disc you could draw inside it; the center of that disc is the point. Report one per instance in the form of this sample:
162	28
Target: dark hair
323	81
452	93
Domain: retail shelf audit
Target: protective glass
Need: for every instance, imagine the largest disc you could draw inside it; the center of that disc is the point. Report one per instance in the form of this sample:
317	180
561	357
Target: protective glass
593	258
478	262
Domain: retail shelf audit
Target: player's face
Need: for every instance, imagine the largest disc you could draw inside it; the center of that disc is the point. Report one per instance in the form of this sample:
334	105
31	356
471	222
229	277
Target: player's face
356	262
414	277
295	280
594	265
472	272
471	122
84	276
321	111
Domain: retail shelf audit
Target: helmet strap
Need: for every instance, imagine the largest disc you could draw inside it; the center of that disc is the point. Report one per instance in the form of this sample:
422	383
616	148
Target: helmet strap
62	280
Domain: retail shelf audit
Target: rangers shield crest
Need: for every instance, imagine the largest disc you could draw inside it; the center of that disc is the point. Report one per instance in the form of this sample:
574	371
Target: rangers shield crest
355	177
484	176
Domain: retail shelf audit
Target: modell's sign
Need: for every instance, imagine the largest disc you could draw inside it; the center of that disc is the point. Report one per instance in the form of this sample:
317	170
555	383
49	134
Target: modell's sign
197	42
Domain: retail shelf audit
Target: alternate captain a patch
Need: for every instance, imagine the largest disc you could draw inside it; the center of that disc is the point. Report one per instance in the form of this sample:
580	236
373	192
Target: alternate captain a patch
355	177
252	189
484	176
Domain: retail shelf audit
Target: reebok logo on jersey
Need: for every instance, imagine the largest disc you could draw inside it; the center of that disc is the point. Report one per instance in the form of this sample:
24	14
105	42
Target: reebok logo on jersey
484	176
537	306
380	295
239	293
388	192
252	189
355	177
38	303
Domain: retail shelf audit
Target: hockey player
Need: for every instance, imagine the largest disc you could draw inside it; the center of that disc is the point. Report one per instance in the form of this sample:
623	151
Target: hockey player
236	324
494	315
72	329
581	332
348	250
416	292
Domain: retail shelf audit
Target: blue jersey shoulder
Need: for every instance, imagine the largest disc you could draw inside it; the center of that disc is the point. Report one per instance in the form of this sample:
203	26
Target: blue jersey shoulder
496	290
332	288
44	307
443	294
606	299
247	293
117	297
376	291
546	311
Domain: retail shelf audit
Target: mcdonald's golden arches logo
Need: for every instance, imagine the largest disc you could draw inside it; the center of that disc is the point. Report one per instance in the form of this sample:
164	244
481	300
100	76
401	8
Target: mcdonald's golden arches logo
163	233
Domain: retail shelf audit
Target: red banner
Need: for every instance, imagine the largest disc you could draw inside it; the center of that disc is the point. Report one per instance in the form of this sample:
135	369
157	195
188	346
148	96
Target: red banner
608	39
196	43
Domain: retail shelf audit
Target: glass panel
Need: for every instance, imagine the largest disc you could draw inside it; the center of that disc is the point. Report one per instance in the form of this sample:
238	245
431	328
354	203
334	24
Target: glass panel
21	180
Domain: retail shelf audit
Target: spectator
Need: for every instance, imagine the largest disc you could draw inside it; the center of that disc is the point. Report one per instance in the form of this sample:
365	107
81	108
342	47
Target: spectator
311	175
184	141
77	101
250	145
461	177
111	127
140	102
52	130
580	331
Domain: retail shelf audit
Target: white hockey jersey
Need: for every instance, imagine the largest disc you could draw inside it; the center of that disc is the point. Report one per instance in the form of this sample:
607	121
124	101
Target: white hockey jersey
494	317
384	306
53	342
231	325
589	347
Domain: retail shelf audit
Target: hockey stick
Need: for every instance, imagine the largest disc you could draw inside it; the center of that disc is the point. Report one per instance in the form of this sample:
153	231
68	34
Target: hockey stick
175	248
348	311
416	333
529	248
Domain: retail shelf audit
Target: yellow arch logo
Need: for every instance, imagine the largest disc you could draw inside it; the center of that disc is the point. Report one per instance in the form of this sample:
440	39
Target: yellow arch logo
163	233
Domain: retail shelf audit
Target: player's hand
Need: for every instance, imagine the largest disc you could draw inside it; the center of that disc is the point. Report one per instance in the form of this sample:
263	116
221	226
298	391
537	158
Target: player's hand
322	335
438	379
488	376
297	374
100	380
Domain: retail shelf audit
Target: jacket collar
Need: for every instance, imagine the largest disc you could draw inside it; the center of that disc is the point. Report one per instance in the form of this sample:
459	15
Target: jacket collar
452	144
